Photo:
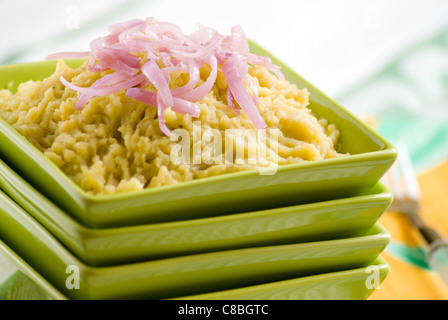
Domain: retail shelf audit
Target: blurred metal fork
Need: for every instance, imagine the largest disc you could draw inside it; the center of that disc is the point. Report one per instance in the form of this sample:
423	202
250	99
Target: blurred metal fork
402	181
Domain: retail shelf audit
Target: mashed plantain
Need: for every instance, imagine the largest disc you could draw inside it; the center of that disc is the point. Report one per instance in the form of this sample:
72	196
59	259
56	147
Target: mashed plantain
114	144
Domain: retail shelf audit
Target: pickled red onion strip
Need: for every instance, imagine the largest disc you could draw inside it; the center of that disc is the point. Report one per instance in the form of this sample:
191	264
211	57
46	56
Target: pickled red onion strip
68	55
194	79
95	92
230	102
186	107
142	95
201	91
118	60
232	70
152	71
161	116
107	80
254	90
265	62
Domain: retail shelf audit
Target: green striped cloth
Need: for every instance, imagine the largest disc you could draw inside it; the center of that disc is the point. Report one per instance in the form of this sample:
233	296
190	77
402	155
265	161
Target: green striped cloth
409	98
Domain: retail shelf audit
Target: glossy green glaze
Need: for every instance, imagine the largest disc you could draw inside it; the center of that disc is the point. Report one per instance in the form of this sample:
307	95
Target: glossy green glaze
23	282
371	155
309	222
355	284
186	275
342	285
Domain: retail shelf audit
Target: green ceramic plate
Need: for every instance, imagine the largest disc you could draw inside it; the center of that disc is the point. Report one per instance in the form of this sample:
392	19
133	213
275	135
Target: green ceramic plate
355	284
325	220
25	283
180	276
352	284
371	156
18	281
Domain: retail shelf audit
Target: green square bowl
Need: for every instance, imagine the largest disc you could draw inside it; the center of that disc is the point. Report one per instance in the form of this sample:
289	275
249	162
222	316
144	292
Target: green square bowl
352	284
25	283
180	276
19	281
326	220
370	157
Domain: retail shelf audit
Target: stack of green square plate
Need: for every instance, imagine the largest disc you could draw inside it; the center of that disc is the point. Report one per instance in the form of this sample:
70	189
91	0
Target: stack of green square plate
240	235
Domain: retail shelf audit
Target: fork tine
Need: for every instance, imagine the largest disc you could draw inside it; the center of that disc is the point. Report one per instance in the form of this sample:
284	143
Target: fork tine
391	179
394	178
408	172
402	180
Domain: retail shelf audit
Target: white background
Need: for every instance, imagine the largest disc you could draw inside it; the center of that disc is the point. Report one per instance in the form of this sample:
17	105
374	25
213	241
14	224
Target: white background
333	44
